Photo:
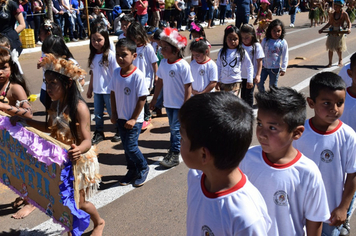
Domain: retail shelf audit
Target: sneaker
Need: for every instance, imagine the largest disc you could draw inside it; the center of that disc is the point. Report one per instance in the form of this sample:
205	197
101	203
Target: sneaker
130	176
74	40
345	229
170	160
146	124
116	138
141	179
98	137
39	43
291	25
157	112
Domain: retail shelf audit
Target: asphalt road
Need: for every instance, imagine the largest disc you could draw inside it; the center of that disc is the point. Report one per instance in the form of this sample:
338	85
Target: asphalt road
159	207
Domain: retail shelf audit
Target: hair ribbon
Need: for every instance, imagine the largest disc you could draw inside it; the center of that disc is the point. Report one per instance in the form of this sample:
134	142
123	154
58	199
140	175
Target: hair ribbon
195	27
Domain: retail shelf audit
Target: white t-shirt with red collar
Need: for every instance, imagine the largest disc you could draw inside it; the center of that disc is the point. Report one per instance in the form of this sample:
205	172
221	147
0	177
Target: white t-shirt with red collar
128	89
348	117
334	152
174	75
146	56
239	210
203	74
293	192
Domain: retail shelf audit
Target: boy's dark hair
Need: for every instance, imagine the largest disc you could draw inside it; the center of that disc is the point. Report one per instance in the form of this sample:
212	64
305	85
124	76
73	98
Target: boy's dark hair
325	80
285	102
274	23
129	44
51	27
157	34
353	61
127	18
55	44
4	41
225	130
199	45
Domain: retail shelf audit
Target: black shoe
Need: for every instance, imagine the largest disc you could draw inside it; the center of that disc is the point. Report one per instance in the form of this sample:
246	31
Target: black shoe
170	160
116	138
130	176
98	137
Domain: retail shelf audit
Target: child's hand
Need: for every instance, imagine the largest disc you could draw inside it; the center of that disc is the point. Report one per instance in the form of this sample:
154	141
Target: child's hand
321	31
113	118
338	216
257	79
217	87
15	119
282	73
195	92
130	124
74	153
89	93
249	85
152	104
348	31
38	63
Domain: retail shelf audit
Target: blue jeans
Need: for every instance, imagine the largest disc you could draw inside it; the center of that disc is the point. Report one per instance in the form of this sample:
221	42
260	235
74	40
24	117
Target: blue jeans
129	138
57	18
68	25
159	103
81	30
241	18
330	230
174	126
292	18
100	100
273	78
143	19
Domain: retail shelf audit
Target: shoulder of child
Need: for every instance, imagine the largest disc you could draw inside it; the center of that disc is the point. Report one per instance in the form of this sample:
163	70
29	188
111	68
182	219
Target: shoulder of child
17	92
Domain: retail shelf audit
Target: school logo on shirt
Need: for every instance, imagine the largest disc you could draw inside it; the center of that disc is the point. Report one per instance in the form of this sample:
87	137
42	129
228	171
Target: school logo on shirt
206	231
327	156
127	91
140	56
172	73
280	198
101	64
202	72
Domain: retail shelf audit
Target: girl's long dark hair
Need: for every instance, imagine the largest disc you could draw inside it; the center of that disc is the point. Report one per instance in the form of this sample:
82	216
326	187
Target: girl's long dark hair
232	29
249	29
71	98
273	24
103	32
55	44
16	77
136	31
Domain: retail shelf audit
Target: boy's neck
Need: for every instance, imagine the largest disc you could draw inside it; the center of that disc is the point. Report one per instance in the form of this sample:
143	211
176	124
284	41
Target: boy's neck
323	126
127	70
173	59
283	156
219	180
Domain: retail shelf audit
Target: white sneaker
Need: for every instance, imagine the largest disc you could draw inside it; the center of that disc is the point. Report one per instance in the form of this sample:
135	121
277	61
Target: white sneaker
39	43
291	25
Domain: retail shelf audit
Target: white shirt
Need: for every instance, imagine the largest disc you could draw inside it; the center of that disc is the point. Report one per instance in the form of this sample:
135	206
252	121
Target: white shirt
348	116
293	192
257	54
128	89
239	210
276	54
203	74
145	57
334	152
230	67
102	74
174	75
343	74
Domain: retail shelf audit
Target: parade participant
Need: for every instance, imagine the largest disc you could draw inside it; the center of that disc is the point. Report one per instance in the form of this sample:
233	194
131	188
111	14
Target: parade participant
264	17
146	61
221	200
126	21
275	48
204	70
256	54
102	64
127	110
197	31
69	123
336	41
289	182
175	77
331	144
314	12
231	59
5	42
13	101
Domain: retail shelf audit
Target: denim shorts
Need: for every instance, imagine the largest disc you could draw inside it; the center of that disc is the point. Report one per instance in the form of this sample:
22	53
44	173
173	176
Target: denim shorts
211	13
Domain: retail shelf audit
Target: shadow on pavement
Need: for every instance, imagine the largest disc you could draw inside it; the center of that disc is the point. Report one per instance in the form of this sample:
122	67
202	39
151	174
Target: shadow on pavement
312	67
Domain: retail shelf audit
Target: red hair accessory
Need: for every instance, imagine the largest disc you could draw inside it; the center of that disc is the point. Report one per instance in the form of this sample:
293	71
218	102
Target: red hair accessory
171	36
197	39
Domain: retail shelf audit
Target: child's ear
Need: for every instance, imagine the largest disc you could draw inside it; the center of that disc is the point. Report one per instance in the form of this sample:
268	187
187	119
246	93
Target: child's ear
349	72
297	132
310	102
206	156
134	55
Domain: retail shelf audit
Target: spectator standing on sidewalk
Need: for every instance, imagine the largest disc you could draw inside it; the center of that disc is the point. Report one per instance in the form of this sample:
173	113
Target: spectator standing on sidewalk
293	5
242	13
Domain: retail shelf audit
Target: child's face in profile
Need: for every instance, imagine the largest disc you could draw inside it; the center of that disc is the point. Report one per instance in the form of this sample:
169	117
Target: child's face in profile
352	73
328	106
167	51
190	158
246	38
124	57
273	134
54	87
125	25
5	72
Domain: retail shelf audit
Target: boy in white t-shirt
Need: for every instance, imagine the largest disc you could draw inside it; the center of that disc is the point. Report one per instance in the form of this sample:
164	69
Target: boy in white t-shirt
289	182
221	200
331	144
128	96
